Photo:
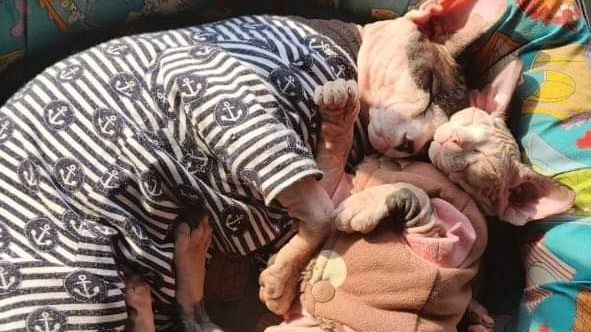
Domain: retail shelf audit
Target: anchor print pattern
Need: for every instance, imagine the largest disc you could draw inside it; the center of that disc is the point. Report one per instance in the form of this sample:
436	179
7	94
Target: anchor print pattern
6	128
82	227
105	174
151	185
117	49
28	174
42	233
136	230
127	85
112	181
10	278
46	319
70	73
191	86
85	286
107	123
69	174
235	220
58	114
197	162
321	45
341	68
203	52
229	112
286	82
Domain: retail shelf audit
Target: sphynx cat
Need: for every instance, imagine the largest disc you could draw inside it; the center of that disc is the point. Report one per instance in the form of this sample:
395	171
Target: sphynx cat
407	90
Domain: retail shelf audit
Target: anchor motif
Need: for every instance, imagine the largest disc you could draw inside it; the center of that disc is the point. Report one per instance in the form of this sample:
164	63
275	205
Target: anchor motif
191	85
84	291
229	112
84	286
82	228
203	52
9	278
287	83
28	174
140	235
58	114
320	44
205	36
71	73
340	67
6	128
45	320
42	233
126	84
79	227
117	49
196	162
69	174
39	239
107	123
151	184
105	230
112	181
235	220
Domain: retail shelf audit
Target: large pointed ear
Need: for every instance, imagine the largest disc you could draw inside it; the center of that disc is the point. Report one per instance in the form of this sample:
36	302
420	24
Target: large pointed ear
532	196
426	11
456	23
496	96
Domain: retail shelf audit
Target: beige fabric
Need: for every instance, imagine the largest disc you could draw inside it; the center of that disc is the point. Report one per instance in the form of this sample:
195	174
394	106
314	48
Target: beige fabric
375	283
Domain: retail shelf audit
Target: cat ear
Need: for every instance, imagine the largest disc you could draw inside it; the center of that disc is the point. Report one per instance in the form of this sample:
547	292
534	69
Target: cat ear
532	196
456	23
496	96
422	15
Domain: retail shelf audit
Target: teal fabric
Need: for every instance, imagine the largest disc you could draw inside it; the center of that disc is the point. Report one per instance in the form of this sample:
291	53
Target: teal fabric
551	110
34	27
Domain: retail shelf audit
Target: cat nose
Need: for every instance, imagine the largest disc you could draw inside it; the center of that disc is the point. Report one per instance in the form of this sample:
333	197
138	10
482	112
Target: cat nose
406	145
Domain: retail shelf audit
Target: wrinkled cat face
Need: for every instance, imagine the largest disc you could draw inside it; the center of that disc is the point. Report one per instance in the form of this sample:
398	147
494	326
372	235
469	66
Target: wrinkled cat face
408	76
476	150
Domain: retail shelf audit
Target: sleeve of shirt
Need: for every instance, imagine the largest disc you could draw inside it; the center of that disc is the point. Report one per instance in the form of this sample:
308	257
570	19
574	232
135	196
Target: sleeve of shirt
223	103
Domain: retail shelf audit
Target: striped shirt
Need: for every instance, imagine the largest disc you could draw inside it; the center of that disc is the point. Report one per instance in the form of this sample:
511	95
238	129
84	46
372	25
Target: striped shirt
111	144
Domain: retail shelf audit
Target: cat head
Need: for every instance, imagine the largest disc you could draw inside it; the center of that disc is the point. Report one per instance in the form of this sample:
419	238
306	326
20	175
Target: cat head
407	72
476	150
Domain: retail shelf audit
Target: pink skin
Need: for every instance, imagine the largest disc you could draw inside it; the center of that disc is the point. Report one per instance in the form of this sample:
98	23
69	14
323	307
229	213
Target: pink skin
477	151
389	91
309	200
139	305
402	84
362	211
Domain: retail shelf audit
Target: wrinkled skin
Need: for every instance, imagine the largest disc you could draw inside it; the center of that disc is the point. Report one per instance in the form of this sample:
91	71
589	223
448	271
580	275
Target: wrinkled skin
360	211
408	86
476	150
408	78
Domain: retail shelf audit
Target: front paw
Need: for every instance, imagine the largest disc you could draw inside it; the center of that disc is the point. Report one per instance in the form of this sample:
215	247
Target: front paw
338	104
401	203
278	285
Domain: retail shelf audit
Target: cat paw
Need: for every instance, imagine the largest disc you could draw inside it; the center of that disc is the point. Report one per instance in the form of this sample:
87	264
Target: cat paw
363	211
278	285
338	104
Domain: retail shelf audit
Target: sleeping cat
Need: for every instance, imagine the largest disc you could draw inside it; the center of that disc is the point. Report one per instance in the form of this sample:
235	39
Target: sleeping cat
476	150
